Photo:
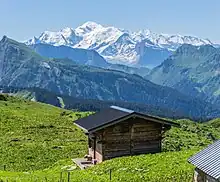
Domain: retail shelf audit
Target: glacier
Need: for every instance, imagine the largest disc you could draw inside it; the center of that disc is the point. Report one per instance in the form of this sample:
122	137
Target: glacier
119	46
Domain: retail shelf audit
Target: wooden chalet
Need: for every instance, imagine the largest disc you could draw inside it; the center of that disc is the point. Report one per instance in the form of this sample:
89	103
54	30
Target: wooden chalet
207	163
116	132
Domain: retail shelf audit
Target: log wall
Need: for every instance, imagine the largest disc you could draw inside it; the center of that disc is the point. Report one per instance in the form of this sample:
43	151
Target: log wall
131	137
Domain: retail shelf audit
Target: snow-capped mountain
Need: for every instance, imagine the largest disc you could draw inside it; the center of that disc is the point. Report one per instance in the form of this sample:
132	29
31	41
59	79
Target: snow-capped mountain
66	36
116	45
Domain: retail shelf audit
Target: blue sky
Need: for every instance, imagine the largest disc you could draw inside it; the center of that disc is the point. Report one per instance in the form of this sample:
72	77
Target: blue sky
22	19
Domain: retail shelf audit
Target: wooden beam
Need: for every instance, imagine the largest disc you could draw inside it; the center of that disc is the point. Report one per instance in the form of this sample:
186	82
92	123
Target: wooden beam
94	147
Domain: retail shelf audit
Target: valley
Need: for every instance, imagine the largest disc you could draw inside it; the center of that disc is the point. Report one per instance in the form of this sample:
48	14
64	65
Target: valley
22	67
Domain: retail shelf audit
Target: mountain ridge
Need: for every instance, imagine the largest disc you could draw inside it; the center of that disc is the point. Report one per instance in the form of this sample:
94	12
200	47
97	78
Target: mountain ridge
194	70
73	103
21	67
119	45
84	57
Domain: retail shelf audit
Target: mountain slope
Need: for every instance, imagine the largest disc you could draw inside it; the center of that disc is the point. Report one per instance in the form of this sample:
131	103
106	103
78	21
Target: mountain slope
34	135
118	45
81	56
73	103
84	57
142	71
22	68
192	70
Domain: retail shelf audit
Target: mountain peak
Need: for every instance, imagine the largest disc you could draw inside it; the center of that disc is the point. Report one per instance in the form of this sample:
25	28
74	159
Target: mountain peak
88	27
105	40
91	24
144	32
4	38
32	41
67	32
67	29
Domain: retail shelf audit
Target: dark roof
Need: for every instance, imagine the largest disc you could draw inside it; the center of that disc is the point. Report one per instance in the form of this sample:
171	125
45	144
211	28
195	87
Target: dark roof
208	160
111	115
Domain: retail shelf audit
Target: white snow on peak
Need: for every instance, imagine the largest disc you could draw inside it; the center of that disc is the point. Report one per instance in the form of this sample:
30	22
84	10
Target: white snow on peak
53	38
66	32
87	28
113	43
99	38
32	41
65	36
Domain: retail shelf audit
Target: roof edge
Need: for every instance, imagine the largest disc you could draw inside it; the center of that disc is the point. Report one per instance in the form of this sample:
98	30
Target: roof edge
135	114
85	130
158	120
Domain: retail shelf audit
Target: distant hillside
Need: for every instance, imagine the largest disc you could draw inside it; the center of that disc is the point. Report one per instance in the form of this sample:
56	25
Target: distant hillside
79	104
84	57
142	71
20	66
192	70
80	56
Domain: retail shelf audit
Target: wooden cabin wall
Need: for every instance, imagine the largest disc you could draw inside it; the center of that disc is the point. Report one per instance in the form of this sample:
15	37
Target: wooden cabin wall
131	137
116	140
145	137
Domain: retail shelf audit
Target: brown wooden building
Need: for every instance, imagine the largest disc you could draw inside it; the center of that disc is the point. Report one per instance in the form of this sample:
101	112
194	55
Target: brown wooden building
116	131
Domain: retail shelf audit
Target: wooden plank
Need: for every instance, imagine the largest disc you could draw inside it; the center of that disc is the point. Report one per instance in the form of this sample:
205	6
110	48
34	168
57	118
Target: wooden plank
117	136
117	147
141	137
145	135
82	163
146	128
111	140
137	152
138	147
145	141
116	154
115	150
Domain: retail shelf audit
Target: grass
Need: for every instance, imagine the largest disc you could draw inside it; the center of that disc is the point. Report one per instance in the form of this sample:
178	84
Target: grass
191	135
34	136
37	141
167	166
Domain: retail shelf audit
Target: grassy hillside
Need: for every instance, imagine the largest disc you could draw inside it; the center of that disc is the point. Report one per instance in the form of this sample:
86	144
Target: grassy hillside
169	166
39	140
35	136
191	135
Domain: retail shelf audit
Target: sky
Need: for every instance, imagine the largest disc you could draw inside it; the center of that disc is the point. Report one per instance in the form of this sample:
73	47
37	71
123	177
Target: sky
23	19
